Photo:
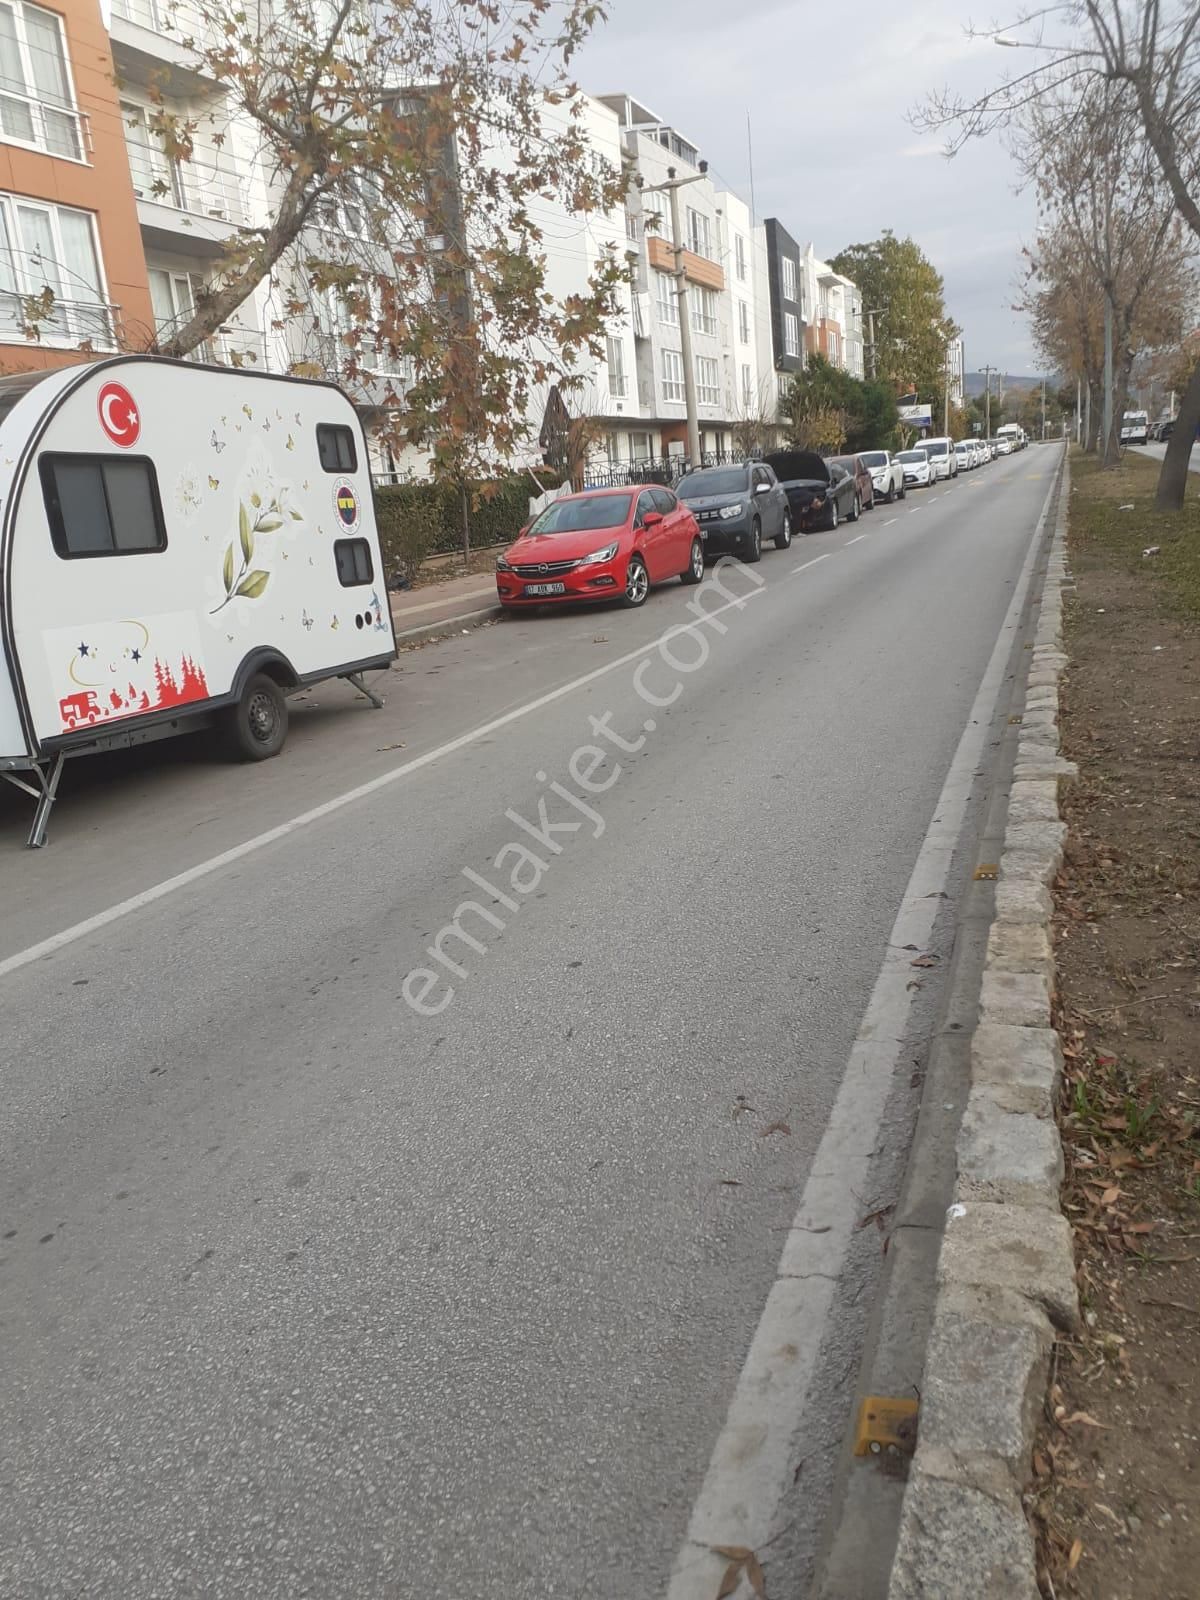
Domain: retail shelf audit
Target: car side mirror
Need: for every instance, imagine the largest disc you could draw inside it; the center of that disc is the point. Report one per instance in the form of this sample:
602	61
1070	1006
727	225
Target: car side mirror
762	488
652	519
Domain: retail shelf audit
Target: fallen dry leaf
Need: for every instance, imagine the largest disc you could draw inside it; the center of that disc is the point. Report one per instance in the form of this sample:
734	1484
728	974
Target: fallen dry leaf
924	961
731	1580
1073	1558
773	1127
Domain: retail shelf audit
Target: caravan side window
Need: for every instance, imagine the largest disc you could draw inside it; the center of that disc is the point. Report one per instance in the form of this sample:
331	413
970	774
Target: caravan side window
102	505
335	446
354	565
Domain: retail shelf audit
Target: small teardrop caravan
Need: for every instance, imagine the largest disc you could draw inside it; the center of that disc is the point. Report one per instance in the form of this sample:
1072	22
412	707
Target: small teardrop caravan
180	545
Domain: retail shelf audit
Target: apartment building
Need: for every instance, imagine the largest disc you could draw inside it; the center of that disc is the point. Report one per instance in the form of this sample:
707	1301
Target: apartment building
835	326
187	211
721	308
71	265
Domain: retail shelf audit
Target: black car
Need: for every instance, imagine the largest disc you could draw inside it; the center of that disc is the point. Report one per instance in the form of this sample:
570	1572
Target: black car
819	492
737	508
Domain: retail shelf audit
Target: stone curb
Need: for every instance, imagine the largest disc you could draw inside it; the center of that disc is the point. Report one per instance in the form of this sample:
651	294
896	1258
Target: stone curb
1006	1272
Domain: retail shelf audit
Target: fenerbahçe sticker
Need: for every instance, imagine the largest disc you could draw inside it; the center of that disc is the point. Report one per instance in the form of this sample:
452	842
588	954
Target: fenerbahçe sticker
345	503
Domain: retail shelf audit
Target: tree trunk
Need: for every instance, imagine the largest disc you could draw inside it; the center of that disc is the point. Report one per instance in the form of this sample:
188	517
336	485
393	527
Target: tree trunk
466	526
1112	445
1172	480
1095	409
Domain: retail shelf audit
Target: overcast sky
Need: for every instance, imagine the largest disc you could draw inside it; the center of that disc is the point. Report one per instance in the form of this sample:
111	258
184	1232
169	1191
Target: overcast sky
828	89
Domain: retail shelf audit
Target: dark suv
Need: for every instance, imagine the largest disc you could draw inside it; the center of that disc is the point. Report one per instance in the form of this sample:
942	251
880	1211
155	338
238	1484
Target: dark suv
737	508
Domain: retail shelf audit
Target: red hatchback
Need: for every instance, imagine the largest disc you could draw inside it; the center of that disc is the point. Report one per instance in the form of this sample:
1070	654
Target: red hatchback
602	544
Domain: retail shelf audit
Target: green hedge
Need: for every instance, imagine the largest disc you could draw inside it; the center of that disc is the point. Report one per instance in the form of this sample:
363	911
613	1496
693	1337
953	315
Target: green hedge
421	519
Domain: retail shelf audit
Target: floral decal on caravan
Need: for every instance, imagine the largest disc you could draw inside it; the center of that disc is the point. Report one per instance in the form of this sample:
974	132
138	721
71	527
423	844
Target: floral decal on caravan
262	510
104	672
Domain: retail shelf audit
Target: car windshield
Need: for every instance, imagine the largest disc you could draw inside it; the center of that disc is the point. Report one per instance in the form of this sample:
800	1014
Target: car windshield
937	448
583	512
712	480
912	455
963	446
875	458
847	463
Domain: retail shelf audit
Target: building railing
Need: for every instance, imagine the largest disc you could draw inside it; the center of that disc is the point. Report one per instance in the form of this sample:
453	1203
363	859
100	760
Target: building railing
62	325
178	20
665	470
57	130
194	186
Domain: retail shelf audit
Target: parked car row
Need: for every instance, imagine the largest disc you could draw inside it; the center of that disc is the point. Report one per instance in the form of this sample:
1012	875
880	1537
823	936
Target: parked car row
616	543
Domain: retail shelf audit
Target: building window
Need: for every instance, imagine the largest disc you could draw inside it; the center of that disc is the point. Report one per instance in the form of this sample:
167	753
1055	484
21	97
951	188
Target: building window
739	256
654	206
703	310
37	100
612	448
789	279
335	448
666	300
102	505
708	381
354	565
834	346
51	248
639	447
616	369
747	386
791	334
672	375
631	227
699	234
743	322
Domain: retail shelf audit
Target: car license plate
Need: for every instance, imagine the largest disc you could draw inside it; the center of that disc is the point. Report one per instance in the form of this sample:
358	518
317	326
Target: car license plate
545	588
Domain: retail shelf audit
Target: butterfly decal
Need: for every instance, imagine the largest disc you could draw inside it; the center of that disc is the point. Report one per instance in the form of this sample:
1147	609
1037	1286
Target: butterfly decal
284	554
291	444
217	444
304	485
213	483
334	625
246	412
267	427
306	621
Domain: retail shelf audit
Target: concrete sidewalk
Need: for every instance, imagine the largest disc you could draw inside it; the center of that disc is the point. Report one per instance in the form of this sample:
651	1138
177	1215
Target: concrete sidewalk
443	607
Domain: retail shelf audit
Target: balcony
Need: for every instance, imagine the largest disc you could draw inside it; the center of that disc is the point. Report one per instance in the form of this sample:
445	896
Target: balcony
57	324
148	35
696	269
191	201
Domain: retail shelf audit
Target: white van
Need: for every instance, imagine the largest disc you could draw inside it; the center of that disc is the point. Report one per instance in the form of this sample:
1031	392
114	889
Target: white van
941	456
180	545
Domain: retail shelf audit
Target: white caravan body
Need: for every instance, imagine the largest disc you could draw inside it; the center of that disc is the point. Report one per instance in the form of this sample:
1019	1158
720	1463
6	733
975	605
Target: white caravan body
169	531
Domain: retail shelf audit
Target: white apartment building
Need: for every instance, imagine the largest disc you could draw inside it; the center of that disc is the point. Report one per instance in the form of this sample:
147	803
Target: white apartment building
835	328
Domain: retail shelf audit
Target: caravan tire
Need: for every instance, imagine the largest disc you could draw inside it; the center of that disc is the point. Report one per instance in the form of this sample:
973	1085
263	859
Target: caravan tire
257	726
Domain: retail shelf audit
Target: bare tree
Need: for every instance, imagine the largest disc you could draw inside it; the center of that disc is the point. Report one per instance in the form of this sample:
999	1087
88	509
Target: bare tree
1150	47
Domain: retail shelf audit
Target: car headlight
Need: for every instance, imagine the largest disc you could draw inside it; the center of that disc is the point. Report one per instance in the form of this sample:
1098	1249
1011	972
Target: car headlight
596	556
502	565
727	513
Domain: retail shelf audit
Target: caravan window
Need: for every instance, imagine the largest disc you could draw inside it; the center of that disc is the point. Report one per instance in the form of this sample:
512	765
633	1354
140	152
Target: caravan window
335	446
354	566
102	505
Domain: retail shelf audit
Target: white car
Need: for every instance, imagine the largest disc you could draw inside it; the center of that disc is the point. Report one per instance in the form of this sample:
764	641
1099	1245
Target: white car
1004	447
965	452
917	467
942	457
886	474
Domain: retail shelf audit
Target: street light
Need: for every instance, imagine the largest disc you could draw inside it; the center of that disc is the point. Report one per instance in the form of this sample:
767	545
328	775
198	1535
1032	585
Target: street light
672	188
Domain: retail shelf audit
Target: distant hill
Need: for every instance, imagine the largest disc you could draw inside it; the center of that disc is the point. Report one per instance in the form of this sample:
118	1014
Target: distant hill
976	382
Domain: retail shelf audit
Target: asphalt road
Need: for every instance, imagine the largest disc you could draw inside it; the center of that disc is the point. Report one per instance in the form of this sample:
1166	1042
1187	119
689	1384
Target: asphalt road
307	1294
1158	451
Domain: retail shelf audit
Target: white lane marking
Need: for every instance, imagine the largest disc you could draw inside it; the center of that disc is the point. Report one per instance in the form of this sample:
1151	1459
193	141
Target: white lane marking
855	540
203	869
750	1474
913	510
890	520
805	564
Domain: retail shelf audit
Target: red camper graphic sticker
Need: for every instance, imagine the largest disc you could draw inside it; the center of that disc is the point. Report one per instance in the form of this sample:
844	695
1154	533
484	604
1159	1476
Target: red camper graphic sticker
119	415
345	501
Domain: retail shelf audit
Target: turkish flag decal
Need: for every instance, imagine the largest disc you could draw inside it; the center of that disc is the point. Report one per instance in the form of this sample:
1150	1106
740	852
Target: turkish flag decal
119	415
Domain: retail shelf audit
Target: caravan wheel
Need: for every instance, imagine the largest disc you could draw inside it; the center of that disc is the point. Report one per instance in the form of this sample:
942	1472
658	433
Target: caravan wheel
257	726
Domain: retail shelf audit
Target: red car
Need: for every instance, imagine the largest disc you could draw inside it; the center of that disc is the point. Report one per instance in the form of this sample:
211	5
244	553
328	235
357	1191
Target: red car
601	545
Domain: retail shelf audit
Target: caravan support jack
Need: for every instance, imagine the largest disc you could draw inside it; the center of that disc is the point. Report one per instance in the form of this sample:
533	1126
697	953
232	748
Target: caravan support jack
356	680
48	773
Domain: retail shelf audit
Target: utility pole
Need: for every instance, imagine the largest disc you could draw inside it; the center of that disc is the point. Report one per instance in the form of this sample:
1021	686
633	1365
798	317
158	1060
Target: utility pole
987	405
1078	411
1108	373
1043	410
672	188
872	371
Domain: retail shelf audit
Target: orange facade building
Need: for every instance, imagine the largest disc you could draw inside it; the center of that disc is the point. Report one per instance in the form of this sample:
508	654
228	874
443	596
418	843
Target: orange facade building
72	265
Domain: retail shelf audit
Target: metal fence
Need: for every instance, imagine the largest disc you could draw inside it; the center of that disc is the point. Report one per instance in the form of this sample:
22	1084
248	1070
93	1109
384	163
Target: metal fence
666	470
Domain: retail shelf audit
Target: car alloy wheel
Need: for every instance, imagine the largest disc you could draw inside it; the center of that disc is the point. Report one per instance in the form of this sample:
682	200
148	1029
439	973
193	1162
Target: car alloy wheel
694	570
637	582
784	538
754	548
833	515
